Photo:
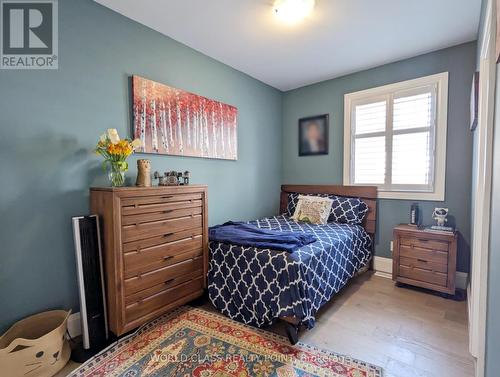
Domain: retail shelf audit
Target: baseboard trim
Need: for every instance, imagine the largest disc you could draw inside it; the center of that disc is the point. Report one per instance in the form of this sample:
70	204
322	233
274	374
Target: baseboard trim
74	325
383	275
461	279
383	268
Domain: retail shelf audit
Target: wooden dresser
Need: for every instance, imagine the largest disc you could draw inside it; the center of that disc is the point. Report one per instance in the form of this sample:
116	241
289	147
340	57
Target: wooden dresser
155	250
425	259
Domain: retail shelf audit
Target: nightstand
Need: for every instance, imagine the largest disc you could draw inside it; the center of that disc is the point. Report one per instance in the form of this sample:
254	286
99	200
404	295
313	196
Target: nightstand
425	259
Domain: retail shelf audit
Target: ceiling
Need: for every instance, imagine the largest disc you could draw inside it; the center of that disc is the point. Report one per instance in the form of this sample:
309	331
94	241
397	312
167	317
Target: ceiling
338	38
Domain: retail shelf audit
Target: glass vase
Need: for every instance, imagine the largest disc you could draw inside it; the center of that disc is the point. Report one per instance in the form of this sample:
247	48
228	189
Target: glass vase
116	176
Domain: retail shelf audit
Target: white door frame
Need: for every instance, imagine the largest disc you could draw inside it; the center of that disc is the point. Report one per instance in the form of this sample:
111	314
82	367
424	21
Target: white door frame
482	189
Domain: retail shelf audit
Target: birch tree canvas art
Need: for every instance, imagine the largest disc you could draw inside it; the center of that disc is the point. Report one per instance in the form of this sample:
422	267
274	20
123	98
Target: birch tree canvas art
175	122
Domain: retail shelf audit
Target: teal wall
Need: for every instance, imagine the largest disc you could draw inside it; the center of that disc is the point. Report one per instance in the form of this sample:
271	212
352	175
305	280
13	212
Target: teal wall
50	121
328	97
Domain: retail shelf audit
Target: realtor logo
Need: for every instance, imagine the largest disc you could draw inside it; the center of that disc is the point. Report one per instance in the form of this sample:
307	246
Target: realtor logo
28	34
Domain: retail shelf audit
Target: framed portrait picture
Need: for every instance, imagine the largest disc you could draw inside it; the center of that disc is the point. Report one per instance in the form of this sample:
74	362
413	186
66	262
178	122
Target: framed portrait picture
313	135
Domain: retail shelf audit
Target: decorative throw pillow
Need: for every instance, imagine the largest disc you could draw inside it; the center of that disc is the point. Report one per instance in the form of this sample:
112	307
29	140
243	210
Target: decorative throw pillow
363	211
293	199
347	210
344	209
312	209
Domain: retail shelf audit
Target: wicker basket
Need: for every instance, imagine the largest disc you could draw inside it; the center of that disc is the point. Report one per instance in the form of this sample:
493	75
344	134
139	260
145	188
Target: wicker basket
35	346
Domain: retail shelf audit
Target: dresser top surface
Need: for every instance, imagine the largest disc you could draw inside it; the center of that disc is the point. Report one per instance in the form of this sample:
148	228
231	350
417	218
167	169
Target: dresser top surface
424	233
152	188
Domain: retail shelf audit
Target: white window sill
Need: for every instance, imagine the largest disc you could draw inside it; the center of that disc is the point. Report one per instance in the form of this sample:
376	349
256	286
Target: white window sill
411	195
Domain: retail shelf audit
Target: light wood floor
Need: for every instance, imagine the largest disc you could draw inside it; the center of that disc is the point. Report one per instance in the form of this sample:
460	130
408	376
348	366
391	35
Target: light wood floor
408	333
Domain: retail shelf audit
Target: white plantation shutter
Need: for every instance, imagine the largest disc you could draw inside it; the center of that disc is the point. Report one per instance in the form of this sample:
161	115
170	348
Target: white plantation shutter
369	160
413	128
411	159
392	136
413	110
370	117
369	142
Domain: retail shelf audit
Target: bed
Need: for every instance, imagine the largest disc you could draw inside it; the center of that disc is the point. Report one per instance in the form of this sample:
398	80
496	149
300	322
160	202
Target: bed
258	286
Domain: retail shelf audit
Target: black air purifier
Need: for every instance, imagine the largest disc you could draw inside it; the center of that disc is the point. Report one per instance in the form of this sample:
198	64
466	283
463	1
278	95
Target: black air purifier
91	287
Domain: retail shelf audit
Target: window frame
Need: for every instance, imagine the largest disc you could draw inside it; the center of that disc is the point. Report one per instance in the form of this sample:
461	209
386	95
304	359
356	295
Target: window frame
387	92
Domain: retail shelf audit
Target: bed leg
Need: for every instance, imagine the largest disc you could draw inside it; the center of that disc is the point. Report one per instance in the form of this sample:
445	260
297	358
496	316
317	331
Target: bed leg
292	331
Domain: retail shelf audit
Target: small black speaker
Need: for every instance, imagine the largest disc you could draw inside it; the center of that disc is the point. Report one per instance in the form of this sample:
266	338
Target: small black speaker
91	285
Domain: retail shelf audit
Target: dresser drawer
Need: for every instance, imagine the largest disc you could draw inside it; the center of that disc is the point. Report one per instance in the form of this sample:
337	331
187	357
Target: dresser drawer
142	308
158	203
158	228
433	256
149	292
160	240
166	214
423	264
162	255
424	243
427	276
164	275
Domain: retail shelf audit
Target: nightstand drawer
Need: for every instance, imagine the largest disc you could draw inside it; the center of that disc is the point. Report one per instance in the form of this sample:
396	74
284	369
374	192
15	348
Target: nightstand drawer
433	256
423	264
424	243
419	274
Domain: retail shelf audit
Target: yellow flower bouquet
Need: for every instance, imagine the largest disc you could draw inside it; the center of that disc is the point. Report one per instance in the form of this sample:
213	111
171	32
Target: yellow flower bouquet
115	152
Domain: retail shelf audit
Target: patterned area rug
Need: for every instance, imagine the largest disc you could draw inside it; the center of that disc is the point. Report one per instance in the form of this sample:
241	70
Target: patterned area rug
194	342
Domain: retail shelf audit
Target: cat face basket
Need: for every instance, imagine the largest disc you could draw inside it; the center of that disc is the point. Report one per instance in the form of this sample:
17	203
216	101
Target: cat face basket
36	346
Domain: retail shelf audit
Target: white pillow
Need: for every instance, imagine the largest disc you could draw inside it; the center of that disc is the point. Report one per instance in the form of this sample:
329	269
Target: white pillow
312	209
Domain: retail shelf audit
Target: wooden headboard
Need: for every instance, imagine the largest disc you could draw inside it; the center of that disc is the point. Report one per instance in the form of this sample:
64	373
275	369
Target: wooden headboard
367	193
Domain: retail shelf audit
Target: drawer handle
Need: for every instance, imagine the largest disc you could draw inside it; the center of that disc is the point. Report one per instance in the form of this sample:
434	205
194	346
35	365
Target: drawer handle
168	234
422	260
169	281
422	240
168	211
167	197
168	257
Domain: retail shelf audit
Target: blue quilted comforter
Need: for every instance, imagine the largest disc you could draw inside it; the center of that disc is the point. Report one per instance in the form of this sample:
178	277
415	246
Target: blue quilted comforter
256	286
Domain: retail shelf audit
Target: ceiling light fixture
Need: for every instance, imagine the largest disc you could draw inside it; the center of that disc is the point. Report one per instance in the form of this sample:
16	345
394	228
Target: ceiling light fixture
293	11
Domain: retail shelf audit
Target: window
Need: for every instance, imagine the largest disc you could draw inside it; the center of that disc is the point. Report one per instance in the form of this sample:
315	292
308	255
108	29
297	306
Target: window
395	138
